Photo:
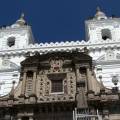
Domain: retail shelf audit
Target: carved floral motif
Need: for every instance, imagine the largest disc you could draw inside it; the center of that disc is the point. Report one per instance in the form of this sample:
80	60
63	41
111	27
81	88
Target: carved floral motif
56	64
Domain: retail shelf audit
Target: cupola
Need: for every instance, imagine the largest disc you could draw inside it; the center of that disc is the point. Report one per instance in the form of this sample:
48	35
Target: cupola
99	14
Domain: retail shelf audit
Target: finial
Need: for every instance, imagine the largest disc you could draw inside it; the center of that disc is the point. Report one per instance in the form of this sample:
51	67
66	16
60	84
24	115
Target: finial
102	88
22	15
21	21
100	14
98	9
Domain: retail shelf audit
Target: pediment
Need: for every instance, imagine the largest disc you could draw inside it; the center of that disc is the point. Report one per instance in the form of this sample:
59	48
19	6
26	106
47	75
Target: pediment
101	58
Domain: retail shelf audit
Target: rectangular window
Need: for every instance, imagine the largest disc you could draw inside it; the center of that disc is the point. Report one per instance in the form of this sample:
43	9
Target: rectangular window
57	86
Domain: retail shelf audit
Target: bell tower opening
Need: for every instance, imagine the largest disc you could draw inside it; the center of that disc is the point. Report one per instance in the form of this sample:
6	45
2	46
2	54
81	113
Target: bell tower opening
106	34
11	41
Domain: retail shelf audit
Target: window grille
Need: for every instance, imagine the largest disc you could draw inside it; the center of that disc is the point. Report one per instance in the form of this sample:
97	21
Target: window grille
84	114
57	86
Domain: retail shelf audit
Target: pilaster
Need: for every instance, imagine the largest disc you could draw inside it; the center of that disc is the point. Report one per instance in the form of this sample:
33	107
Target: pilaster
78	75
80	97
34	83
23	84
89	78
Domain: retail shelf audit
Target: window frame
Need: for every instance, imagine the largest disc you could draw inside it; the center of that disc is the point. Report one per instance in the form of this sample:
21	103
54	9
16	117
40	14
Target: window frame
55	77
57	91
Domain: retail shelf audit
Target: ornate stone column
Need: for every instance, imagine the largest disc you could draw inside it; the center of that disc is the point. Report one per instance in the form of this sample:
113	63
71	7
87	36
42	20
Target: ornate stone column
34	83
33	94
80	97
78	75
89	79
23	84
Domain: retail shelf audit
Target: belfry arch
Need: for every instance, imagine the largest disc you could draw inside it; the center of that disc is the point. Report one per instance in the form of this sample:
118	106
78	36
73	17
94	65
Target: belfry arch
106	34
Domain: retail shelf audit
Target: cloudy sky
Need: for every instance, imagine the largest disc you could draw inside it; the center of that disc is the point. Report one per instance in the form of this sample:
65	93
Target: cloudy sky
55	20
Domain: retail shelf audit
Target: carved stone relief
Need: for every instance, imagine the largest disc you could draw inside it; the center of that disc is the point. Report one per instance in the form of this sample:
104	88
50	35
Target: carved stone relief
110	55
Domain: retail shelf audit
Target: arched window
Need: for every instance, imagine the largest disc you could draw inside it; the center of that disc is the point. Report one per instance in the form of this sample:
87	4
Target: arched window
11	41
106	34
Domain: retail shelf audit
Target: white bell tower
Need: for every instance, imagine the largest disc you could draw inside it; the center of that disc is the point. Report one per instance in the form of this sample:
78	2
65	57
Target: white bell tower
14	41
16	36
103	39
100	28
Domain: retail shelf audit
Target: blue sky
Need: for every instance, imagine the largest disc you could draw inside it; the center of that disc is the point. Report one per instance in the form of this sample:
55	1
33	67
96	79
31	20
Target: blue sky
55	20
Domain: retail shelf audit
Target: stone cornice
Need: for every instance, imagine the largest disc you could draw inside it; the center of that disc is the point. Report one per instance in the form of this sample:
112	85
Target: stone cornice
14	29
106	21
10	70
60	46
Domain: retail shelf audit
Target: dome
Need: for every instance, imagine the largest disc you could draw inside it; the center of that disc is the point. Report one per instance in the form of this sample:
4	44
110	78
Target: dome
99	14
20	22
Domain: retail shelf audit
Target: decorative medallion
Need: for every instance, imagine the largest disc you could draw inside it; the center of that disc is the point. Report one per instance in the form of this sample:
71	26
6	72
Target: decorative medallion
56	64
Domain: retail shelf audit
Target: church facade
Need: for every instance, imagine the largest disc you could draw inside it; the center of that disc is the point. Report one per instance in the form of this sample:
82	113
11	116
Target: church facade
66	80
